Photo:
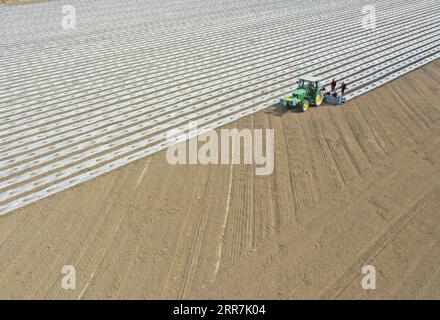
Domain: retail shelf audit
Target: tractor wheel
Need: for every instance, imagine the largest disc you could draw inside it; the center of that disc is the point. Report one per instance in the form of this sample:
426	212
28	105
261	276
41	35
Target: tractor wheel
305	105
319	98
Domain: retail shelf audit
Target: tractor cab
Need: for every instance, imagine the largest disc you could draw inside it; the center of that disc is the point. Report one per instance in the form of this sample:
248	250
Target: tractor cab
308	83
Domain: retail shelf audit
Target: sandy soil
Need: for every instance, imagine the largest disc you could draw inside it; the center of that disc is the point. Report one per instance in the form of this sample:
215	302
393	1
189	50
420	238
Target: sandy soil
353	185
20	1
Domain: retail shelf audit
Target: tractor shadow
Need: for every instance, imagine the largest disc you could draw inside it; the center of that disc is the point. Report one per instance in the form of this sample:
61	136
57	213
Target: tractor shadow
279	110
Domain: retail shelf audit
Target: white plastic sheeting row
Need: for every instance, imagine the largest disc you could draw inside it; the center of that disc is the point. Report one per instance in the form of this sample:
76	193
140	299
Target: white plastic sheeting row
76	106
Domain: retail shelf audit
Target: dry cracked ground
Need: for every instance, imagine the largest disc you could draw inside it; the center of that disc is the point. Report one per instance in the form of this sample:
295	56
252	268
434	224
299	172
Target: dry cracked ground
353	185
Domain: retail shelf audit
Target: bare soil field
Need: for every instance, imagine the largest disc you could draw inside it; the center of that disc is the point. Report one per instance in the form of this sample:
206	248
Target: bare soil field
353	185
20	1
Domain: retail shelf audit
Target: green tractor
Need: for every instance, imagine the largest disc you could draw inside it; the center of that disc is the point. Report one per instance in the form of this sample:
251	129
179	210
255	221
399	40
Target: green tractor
308	93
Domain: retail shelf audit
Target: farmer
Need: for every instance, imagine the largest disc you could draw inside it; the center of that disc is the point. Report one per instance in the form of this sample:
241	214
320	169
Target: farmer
343	87
333	84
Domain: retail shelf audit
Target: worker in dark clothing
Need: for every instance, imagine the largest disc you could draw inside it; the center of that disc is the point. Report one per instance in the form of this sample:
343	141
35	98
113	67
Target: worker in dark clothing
333	85
343	87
